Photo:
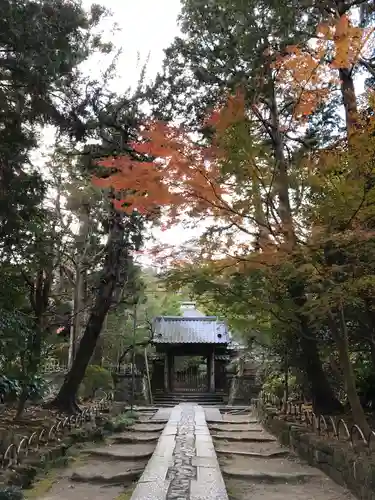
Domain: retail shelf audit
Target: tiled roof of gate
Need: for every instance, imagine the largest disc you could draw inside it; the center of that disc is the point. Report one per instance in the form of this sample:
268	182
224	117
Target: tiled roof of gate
190	330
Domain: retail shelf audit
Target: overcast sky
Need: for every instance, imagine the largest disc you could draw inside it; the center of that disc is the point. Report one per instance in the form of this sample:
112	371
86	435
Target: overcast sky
144	27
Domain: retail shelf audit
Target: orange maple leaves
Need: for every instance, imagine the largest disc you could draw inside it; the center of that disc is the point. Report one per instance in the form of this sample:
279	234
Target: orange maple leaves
226	115
306	71
172	172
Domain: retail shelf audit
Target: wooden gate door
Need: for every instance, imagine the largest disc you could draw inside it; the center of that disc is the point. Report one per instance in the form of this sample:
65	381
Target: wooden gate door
190	379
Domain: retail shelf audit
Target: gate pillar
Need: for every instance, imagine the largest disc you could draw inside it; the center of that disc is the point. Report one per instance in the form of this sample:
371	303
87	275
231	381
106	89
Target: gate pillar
166	373
211	371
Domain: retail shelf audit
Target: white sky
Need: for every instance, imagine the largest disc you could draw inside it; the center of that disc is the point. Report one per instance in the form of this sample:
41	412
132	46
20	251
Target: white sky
145	26
144	29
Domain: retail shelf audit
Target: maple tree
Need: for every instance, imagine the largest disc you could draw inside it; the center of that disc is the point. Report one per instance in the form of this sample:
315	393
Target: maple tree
309	69
244	179
244	213
342	175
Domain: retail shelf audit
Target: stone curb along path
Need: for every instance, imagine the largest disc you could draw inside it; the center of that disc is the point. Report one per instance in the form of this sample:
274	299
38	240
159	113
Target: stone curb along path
184	464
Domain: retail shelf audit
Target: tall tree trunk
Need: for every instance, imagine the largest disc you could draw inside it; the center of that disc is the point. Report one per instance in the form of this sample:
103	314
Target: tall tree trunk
324	399
97	358
341	338
116	259
349	100
281	176
79	291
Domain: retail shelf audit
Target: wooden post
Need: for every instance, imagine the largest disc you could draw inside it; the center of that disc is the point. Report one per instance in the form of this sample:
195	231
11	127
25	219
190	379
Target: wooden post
166	373
212	371
148	377
171	371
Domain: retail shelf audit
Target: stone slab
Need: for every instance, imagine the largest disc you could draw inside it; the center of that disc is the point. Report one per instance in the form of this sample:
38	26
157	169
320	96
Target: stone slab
156	469
205	449
162	414
165	446
156	490
175	415
205	462
213	414
209	485
169	430
201	491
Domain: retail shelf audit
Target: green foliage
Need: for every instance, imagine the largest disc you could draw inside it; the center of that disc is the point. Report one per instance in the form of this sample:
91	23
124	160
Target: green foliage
275	385
121	422
11	493
96	378
10	388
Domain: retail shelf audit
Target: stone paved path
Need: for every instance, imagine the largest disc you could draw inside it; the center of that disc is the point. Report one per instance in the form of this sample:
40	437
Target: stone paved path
184	465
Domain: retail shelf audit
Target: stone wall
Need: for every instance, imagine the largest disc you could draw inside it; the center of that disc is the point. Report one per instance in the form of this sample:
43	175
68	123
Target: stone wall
241	390
352	468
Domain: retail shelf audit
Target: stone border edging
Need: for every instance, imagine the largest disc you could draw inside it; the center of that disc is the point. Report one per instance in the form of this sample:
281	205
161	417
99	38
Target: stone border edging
347	467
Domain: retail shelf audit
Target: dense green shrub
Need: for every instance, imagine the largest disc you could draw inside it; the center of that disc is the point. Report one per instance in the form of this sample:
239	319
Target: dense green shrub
274	384
11	388
96	378
121	422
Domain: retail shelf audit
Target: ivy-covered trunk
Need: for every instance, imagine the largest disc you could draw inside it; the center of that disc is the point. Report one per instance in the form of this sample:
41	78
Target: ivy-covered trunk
31	358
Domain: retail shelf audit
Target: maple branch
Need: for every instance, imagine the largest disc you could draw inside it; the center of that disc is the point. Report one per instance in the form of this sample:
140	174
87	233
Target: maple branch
360	205
232	210
370	67
267	125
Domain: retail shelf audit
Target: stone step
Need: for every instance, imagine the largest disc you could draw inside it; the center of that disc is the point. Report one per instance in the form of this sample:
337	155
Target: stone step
108	473
252	454
147	427
224	427
225	421
244	437
253	447
269	477
188	400
314	489
136	437
123	451
64	490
